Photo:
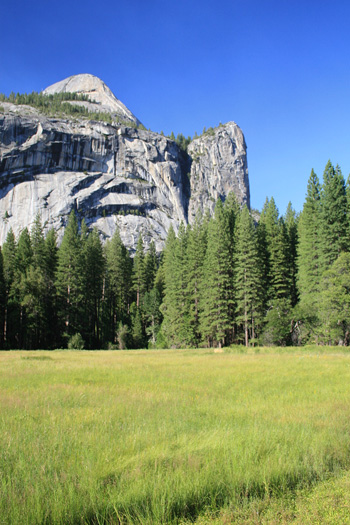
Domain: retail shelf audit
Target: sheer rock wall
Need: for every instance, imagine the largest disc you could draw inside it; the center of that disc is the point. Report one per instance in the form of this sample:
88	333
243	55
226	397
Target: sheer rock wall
112	176
219	166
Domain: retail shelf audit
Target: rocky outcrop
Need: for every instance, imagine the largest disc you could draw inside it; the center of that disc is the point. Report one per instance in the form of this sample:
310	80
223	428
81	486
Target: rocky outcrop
101	97
112	175
219	166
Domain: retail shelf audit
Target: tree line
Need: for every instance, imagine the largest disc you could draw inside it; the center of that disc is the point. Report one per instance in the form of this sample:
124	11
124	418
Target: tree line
60	104
280	280
80	294
223	280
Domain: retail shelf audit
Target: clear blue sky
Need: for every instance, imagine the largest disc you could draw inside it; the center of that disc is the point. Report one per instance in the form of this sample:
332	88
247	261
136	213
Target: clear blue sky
279	68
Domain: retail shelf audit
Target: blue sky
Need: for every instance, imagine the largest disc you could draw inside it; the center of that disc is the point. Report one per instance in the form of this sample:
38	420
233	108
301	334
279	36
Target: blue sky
279	69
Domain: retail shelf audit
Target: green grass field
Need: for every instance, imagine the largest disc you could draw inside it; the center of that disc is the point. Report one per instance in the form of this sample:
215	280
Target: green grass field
175	437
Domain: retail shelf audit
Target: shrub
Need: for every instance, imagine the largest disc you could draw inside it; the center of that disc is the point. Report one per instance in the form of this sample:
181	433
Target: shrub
76	342
123	336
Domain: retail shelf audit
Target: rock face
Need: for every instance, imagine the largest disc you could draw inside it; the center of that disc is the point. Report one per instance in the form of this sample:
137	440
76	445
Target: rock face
113	176
102	98
219	166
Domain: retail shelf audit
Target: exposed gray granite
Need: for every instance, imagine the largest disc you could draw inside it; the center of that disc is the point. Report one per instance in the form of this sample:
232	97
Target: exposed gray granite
111	175
219	166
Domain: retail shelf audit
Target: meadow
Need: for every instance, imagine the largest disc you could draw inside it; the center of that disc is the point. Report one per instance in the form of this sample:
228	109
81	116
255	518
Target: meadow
175	436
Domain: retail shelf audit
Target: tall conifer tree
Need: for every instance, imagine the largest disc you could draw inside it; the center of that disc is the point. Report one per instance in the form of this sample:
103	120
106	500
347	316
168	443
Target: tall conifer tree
248	282
334	220
196	248
275	236
151	266
216	300
139	272
24	256
118	285
38	245
170	299
11	304
94	267
175	304
69	281
2	300
291	222
232	210
308	260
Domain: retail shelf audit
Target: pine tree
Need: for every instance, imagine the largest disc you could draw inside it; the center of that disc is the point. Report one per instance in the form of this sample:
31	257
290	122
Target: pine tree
69	280
152	314
347	190
2	301
291	222
118	286
11	303
24	256
137	329
152	299
264	262
151	266
33	289
24	253
281	274
94	267
175	304
277	274
308	251
232	211
334	225
248	281
334	302
169	307
51	335
139	272
9	255
38	244
216	300
196	248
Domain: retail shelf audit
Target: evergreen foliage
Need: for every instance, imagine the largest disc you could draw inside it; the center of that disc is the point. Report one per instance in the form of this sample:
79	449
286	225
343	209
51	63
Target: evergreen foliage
175	305
61	104
150	267
196	249
308	251
69	279
248	282
221	280
117	287
10	330
334	221
76	342
291	223
232	212
2	300
277	272
216	300
139	273
94	269
334	310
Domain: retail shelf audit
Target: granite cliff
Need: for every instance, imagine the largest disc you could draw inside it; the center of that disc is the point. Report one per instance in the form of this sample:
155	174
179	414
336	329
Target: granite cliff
218	167
111	174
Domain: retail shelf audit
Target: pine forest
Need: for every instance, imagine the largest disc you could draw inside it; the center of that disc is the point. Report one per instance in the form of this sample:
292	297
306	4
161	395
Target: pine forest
234	278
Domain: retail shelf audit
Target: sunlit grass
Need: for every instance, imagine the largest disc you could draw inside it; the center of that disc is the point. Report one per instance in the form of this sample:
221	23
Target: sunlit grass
169	436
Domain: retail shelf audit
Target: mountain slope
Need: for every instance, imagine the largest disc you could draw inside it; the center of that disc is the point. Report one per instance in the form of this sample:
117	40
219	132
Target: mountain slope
101	97
112	175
